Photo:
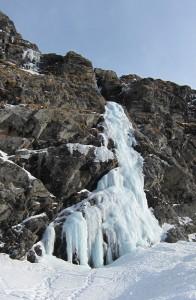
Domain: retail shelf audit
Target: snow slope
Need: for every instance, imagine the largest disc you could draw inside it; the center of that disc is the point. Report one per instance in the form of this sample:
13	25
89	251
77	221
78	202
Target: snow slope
162	272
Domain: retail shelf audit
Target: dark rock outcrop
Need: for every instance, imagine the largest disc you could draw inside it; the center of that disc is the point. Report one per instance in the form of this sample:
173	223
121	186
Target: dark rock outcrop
26	207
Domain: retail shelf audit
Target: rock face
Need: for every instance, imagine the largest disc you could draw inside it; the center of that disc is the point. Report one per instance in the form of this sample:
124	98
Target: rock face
51	109
21	197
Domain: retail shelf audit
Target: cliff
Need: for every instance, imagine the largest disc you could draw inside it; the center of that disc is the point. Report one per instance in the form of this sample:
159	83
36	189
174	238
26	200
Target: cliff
50	104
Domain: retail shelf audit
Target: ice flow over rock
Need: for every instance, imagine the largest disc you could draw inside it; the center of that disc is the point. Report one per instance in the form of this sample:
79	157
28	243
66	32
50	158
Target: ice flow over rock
115	218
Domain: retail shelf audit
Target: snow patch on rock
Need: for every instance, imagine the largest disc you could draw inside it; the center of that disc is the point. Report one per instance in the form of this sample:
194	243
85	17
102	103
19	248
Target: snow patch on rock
184	220
192	237
101	153
166	227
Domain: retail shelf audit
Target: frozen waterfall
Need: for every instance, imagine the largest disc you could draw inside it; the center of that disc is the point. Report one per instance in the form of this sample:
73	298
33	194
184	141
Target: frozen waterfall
115	218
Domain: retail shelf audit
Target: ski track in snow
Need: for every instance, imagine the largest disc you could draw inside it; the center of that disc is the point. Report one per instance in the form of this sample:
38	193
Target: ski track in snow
163	272
89	281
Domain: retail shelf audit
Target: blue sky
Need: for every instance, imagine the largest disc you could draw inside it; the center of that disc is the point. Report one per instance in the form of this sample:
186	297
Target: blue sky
151	38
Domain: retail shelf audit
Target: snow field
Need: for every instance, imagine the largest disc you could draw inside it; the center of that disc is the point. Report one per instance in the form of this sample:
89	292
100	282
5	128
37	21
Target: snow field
162	272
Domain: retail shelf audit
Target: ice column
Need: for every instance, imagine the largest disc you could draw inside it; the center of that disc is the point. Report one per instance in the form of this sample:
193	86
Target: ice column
49	239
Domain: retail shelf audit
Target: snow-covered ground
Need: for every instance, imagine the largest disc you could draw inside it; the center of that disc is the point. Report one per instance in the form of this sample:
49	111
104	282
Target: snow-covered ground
162	272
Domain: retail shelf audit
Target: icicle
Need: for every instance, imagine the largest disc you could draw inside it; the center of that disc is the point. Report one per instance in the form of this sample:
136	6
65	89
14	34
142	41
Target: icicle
95	239
75	232
49	239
